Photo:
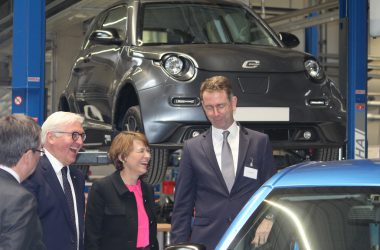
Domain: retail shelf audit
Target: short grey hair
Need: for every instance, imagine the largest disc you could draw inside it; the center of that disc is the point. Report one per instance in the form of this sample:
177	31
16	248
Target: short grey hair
18	134
57	121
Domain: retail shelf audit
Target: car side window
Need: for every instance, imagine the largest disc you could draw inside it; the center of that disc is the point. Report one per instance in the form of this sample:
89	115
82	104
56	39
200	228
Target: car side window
116	19
315	218
272	229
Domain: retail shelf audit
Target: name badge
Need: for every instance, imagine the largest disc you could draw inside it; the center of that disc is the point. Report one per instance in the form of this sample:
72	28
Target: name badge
250	172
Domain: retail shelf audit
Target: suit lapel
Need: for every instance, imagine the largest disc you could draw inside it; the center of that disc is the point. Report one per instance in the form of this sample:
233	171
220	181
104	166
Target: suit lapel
79	196
208	148
243	148
52	179
78	189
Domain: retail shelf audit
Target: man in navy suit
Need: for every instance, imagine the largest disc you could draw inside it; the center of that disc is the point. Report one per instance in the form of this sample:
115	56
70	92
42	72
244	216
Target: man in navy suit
20	150
62	219
204	205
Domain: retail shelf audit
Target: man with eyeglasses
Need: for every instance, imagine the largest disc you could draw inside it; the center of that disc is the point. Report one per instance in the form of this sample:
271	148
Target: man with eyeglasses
20	143
59	187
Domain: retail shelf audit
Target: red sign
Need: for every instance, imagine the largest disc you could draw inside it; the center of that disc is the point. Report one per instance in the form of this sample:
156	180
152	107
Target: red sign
360	106
34	78
18	100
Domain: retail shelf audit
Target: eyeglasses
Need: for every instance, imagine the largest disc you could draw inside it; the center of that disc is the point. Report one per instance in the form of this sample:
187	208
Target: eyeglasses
34	150
74	135
41	151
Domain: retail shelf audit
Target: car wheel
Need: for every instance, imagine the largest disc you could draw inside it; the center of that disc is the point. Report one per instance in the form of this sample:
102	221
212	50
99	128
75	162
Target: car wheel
132	120
326	154
159	156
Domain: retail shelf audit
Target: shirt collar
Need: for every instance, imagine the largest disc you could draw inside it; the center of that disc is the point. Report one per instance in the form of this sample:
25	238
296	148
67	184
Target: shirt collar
57	165
12	172
218	133
135	187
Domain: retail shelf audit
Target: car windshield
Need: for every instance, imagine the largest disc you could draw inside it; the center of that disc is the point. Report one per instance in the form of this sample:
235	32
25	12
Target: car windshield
338	218
201	23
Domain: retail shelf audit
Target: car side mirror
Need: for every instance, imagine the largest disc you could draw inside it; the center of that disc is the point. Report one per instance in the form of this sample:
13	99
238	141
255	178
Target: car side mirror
108	36
186	246
289	39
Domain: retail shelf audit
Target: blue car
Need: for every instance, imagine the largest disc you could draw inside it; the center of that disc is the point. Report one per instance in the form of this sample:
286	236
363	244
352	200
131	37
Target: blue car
314	205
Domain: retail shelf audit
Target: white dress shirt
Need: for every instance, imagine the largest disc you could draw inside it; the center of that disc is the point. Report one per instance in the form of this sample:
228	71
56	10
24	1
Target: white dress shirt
12	172
233	140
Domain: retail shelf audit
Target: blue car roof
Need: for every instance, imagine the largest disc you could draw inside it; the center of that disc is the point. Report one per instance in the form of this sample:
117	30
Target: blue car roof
324	174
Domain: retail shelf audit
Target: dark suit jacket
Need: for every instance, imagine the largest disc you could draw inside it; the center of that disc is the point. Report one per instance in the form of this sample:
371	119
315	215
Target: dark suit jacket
53	210
20	228
111	217
200	186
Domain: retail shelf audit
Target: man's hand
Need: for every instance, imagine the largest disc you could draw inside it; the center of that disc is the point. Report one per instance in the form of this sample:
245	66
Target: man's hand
262	233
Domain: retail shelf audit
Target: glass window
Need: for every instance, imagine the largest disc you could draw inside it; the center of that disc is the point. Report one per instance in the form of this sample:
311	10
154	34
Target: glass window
117	19
338	218
202	23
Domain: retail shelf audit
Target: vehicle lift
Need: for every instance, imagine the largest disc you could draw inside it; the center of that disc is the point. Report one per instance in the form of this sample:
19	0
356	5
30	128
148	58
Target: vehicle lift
28	69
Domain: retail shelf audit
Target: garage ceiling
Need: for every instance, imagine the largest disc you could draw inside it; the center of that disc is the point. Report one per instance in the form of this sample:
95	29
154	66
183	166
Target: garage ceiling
76	13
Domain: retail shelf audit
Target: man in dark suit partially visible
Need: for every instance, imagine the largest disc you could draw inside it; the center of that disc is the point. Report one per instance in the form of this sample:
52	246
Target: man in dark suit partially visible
20	150
59	187
206	200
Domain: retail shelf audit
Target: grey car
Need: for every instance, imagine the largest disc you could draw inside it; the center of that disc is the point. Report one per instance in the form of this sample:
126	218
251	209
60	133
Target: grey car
142	62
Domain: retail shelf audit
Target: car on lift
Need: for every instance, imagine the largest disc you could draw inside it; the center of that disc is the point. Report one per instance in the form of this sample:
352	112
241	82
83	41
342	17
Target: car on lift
142	63
312	205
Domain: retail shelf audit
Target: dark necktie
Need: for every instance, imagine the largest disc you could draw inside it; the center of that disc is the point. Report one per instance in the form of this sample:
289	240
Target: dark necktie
69	198
227	162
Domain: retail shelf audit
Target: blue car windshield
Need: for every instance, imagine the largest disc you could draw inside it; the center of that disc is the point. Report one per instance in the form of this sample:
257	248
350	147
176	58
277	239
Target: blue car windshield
334	218
201	24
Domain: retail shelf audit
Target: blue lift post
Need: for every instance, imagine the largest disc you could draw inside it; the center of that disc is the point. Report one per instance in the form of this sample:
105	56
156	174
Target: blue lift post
357	50
28	60
311	39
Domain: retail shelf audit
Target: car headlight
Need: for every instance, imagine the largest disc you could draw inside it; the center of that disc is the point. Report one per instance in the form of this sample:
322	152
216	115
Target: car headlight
173	65
179	67
314	70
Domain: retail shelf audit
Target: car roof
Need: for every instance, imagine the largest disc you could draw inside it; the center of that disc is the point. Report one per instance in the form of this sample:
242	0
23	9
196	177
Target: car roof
325	174
192	1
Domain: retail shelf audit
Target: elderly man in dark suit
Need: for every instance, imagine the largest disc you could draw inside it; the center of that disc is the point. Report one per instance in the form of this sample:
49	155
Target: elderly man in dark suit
20	150
219	170
59	187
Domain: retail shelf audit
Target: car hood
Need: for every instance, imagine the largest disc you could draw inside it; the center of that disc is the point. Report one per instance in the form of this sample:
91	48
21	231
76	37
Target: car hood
231	57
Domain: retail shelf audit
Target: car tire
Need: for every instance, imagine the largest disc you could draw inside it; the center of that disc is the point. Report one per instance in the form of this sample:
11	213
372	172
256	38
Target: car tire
159	156
132	120
326	154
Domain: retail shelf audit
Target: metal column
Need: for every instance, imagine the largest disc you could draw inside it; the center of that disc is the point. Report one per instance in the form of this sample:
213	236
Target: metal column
357	51
28	61
311	39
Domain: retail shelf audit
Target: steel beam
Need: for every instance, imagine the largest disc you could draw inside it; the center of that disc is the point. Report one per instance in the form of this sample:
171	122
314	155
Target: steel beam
28	61
357	51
